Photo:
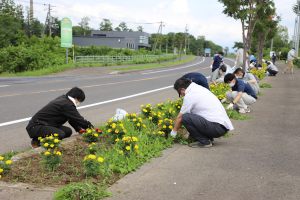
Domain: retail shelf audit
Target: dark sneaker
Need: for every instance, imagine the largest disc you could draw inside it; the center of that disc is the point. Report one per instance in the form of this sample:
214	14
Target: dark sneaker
35	143
200	145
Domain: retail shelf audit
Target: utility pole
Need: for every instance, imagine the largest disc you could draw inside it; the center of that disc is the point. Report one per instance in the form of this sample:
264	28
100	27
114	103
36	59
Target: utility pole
159	34
186	38
49	19
31	12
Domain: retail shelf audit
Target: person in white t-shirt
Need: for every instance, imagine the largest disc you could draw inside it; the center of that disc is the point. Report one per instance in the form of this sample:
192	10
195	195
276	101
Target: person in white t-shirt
202	114
290	59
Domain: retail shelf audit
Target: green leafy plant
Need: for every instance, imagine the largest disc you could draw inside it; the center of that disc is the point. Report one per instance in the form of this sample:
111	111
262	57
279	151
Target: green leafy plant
81	191
265	85
51	157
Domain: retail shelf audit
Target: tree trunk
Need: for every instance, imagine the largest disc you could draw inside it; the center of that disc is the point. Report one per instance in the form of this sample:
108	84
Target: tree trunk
260	46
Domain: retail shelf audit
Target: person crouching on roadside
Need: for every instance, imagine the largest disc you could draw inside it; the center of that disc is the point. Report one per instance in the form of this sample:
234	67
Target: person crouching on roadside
242	95
202	114
50	119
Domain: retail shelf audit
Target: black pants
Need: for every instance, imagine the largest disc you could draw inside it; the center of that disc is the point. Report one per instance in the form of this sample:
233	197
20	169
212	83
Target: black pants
272	72
42	131
201	129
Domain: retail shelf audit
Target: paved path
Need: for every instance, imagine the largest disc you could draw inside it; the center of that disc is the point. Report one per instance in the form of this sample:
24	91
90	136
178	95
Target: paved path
260	161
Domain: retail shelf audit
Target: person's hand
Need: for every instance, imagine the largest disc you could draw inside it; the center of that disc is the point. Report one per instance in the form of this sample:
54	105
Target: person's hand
173	133
230	106
90	125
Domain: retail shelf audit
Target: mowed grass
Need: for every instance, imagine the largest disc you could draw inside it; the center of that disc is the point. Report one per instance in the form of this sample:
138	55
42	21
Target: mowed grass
61	68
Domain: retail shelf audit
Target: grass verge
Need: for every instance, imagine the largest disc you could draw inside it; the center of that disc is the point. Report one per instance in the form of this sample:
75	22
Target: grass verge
61	68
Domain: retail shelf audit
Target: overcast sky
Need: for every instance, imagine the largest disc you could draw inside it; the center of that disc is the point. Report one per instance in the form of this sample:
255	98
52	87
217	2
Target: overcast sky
203	17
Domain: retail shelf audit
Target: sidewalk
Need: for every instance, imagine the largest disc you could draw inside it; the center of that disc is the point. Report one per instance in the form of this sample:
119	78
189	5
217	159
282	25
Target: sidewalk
260	161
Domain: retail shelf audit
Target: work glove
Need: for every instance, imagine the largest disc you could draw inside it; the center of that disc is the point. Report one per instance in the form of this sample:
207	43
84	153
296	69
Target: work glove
173	133
230	106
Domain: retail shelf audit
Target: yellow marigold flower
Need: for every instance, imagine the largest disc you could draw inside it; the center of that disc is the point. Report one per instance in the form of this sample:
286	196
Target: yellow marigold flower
58	153
117	131
160	121
39	138
55	135
42	140
47	153
50	137
117	140
113	125
150	118
128	148
109	130
1	158
138	124
100	160
89	131
56	141
46	145
1	170
144	110
136	147
164	126
121	152
170	127
51	145
92	157
96	135
134	120
134	139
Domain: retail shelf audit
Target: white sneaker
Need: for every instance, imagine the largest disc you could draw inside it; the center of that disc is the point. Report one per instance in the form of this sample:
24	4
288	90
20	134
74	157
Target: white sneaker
247	110
242	111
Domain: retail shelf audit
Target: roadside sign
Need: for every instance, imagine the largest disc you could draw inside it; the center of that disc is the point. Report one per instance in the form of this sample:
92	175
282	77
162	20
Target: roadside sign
66	33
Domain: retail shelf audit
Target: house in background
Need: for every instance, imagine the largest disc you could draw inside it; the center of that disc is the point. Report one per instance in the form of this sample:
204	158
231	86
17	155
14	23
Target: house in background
114	39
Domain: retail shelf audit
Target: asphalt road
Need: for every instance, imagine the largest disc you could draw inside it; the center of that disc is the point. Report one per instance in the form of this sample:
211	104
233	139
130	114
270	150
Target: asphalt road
20	98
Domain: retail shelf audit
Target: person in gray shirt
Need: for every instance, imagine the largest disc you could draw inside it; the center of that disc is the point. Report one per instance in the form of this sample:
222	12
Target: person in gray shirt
218	74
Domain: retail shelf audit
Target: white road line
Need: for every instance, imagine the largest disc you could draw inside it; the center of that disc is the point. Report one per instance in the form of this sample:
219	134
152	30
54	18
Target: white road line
94	104
166	70
4	86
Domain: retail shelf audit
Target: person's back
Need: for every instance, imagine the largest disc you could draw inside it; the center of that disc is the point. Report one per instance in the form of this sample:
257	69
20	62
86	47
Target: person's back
51	118
205	104
197	78
245	87
291	55
217	61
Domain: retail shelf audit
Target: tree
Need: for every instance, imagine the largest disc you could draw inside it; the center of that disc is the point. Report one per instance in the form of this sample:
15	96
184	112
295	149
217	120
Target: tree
238	45
122	27
106	25
84	25
265	26
296	8
140	29
245	11
11	23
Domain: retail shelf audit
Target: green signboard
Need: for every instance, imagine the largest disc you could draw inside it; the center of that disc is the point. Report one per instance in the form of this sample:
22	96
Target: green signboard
66	33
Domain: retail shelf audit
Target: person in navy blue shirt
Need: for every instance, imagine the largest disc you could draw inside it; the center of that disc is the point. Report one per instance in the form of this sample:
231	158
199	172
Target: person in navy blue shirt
197	78
218	61
242	95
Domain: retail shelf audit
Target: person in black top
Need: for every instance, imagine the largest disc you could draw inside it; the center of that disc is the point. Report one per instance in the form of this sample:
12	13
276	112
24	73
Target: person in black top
242	95
197	78
50	119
